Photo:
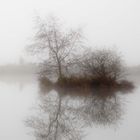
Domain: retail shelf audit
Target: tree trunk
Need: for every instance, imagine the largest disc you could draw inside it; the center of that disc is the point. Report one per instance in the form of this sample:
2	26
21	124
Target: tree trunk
59	68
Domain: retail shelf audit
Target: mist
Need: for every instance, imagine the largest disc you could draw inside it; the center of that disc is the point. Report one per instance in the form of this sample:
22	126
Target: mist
77	82
104	23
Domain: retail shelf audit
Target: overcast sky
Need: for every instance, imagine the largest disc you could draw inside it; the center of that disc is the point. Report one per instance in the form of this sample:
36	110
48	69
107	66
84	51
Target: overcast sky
105	23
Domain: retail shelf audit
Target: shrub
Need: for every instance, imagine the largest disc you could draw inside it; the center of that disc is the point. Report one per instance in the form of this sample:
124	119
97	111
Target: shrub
104	65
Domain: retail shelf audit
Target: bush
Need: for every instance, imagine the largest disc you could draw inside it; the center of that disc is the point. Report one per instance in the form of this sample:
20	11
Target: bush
126	85
81	82
104	65
73	81
45	81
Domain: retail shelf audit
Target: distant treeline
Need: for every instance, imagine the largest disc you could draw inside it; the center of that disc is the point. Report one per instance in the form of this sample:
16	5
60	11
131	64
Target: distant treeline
18	69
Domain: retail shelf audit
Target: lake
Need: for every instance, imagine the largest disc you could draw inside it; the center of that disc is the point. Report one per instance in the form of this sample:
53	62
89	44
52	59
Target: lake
114	118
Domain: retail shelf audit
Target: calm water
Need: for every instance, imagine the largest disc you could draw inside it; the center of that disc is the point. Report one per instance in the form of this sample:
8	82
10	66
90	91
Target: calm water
20	95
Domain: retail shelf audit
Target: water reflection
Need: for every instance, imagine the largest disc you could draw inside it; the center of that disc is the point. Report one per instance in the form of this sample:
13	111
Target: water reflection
103	111
21	81
63	114
57	119
103	107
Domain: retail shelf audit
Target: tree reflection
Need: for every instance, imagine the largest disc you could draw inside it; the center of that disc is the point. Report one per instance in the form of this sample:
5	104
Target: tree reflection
100	106
63	114
57	119
105	111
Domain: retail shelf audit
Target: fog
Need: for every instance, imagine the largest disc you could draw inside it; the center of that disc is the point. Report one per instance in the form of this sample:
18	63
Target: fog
70	94
104	23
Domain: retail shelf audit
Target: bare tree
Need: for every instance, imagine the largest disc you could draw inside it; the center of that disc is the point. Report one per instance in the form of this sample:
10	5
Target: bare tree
58	44
104	64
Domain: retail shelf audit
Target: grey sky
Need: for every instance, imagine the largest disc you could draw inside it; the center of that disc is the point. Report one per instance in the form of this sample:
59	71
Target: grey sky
105	22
